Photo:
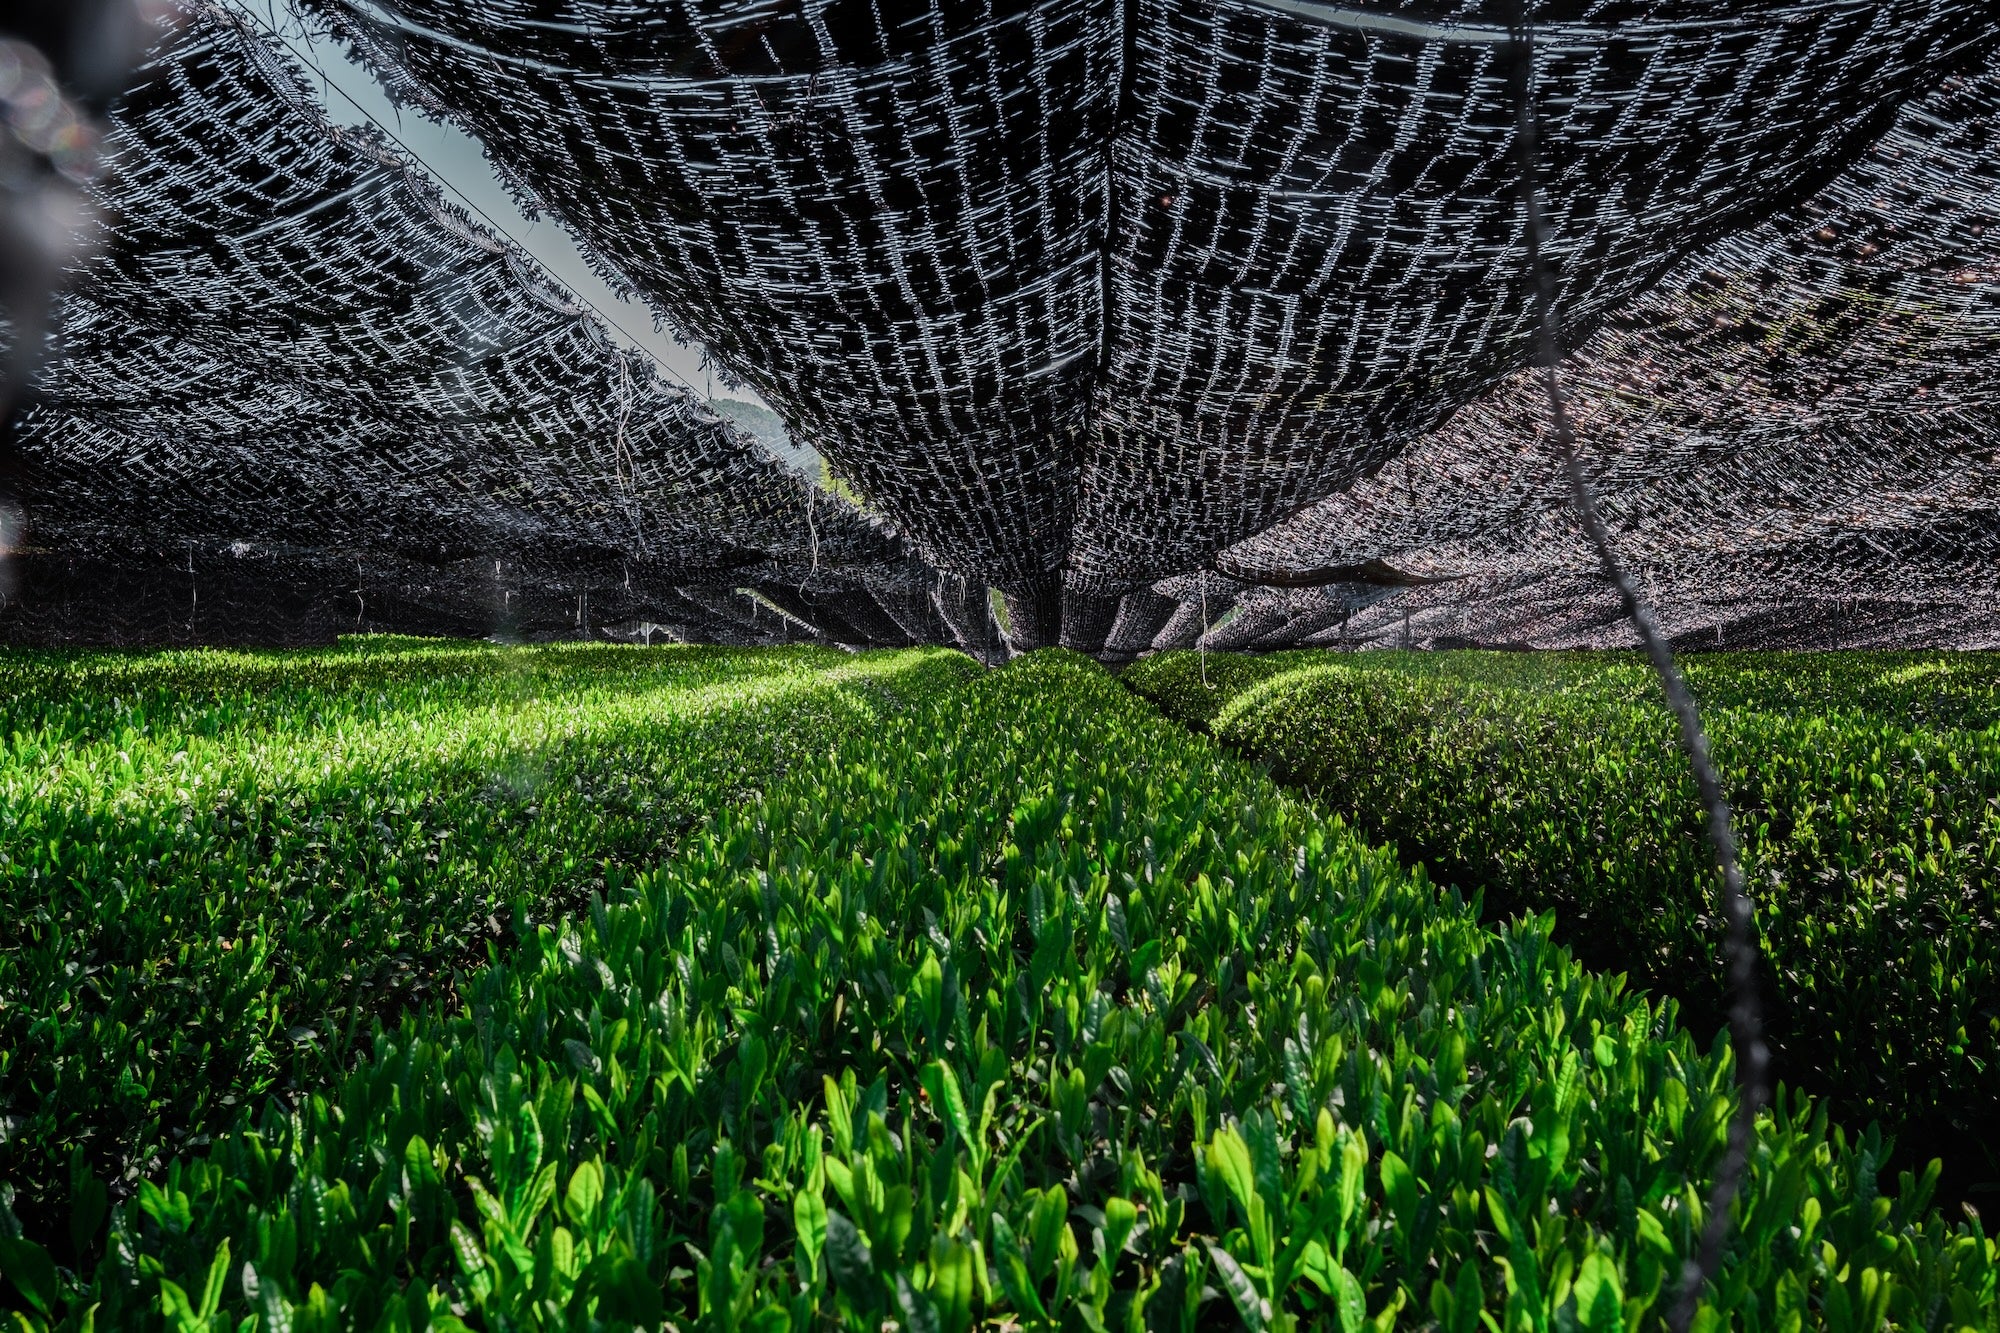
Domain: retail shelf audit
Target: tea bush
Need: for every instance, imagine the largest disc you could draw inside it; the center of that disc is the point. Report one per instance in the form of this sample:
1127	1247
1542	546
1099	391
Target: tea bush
1026	1008
1870	831
1955	690
216	868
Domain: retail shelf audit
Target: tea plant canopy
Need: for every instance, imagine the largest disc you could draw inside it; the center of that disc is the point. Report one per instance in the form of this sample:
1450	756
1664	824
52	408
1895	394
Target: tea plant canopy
1175	321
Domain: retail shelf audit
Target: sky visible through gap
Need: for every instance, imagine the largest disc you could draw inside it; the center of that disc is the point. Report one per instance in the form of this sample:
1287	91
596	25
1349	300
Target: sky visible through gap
352	95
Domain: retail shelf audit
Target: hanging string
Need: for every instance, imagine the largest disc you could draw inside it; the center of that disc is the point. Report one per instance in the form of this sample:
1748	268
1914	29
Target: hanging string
812	534
1201	644
1410	509
1746	1026
621	455
625	468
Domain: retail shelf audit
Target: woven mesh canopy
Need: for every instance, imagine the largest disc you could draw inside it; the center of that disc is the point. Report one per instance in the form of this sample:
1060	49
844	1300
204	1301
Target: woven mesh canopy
1177	321
1105	288
292	365
1796	427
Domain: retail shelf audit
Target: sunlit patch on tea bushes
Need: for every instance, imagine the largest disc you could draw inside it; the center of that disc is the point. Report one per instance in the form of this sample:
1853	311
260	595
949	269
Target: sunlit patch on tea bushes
218	868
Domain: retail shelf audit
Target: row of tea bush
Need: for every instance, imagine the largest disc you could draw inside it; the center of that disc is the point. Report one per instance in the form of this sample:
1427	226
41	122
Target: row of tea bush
1866	790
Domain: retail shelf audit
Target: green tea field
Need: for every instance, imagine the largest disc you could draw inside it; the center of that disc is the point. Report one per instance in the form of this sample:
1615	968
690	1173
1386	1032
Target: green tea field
453	986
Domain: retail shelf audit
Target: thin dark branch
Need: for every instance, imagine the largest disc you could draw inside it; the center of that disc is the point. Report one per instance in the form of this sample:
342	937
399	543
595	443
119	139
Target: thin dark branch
1746	1023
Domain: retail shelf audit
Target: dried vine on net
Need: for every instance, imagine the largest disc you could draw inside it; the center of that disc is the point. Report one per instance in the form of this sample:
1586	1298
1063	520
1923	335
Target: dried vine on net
1746	1026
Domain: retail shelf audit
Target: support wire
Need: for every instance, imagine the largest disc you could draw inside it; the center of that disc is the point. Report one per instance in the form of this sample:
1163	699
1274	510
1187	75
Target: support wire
1746	1020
